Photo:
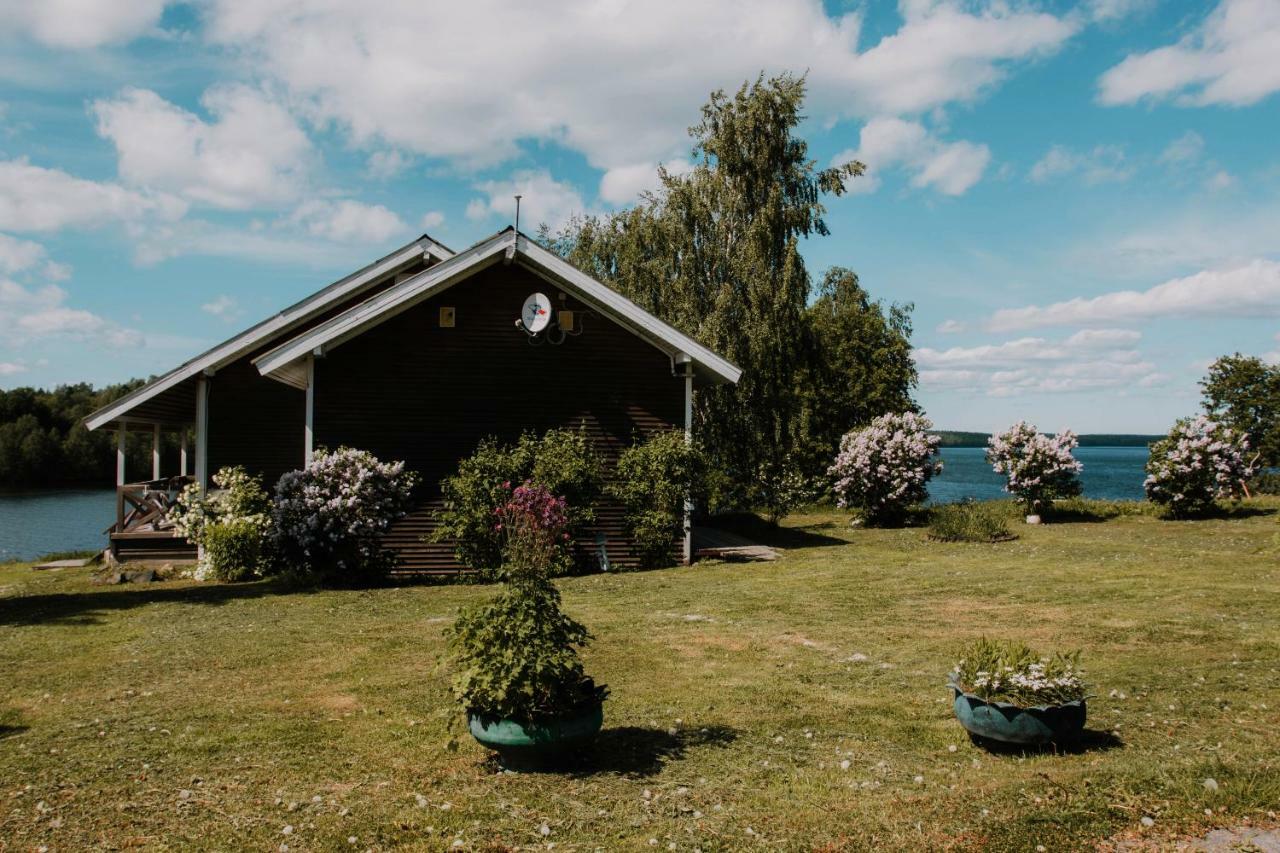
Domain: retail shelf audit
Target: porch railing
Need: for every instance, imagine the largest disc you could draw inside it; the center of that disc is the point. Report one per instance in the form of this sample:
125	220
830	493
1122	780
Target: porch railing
144	507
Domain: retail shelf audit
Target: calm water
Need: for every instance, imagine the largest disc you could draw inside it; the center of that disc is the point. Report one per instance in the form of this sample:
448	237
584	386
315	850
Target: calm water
1113	473
36	523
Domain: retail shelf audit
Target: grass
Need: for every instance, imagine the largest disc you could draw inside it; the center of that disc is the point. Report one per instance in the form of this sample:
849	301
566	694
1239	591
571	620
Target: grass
789	705
970	521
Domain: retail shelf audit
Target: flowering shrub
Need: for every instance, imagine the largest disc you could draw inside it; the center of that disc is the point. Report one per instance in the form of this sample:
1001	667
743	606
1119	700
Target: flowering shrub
563	461
517	655
1037	468
1199	462
883	468
655	478
330	516
1013	673
237	515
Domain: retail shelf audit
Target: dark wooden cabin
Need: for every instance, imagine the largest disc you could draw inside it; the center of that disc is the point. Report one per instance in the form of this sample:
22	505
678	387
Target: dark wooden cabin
416	357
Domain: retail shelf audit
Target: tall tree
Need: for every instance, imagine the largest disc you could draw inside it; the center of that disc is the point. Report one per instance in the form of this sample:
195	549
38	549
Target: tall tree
715	252
1244	393
859	365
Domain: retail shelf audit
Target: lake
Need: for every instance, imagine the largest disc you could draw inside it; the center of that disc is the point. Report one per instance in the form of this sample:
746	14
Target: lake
36	523
1111	473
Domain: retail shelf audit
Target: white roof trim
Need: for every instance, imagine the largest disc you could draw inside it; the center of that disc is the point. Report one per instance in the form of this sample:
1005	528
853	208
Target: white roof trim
427	283
281	323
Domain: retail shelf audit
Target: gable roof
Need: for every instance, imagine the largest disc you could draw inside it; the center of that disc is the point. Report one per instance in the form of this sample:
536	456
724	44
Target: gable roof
272	328
286	362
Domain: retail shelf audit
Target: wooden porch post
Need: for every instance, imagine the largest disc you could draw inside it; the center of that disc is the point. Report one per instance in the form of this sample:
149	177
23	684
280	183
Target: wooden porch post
309	431
688	439
121	433
182	451
202	432
155	451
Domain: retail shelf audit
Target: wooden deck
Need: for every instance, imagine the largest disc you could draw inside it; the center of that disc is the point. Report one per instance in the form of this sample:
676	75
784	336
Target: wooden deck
142	531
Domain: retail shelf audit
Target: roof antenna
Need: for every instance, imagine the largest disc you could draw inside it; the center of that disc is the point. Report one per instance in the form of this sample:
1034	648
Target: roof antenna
518	197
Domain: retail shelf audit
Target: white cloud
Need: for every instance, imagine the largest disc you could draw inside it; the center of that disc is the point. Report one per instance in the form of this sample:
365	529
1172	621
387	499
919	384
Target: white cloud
223	307
1273	357
1089	360
1186	149
1220	180
252	153
387	164
1229	59
283	244
12	368
885	143
40	313
544	200
1103	164
431	219
18	255
33	198
1252	290
950	327
1114	10
348	221
614	81
80	23
625	184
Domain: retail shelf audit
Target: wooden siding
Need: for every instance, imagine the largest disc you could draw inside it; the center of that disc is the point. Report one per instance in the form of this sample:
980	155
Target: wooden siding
411	390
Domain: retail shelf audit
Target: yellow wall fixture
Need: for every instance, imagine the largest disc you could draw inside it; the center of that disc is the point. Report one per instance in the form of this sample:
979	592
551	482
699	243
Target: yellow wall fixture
447	317
566	321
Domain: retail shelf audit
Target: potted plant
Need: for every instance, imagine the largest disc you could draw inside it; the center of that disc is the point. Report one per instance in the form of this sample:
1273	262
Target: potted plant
520	679
1006	692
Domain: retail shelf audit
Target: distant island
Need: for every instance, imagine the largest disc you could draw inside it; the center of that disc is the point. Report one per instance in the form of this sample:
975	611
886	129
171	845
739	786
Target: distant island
955	438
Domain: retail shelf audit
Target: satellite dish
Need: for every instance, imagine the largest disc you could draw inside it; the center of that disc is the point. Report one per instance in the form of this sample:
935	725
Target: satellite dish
536	313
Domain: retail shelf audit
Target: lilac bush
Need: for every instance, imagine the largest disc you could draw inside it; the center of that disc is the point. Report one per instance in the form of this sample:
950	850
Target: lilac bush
884	468
1037	467
1201	461
330	516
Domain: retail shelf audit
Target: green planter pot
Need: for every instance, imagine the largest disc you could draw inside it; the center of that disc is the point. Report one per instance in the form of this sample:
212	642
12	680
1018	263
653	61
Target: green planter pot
530	745
1001	721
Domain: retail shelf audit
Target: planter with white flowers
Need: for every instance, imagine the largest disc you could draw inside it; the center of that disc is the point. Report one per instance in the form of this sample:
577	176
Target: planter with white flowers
1008	693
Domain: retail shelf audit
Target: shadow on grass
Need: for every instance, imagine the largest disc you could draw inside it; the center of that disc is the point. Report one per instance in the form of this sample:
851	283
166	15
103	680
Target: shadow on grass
758	530
86	608
1090	740
10	731
628	751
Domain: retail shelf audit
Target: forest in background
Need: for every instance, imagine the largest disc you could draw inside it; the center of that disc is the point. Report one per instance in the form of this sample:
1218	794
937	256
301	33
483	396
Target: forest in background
43	441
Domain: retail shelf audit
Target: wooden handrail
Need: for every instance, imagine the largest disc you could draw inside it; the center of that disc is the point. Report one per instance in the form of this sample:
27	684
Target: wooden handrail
145	505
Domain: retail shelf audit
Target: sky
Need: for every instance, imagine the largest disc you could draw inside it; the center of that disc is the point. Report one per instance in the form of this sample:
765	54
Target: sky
1081	200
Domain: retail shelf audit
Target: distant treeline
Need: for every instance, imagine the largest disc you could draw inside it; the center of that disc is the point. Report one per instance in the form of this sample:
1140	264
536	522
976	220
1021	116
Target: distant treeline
955	438
43	441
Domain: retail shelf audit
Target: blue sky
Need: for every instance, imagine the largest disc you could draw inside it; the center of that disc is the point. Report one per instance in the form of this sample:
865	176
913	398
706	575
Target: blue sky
1082	200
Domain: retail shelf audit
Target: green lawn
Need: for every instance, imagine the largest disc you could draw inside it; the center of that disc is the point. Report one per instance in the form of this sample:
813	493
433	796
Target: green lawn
744	713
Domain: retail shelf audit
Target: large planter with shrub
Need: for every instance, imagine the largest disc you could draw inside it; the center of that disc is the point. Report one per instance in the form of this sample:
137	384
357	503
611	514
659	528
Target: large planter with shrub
519	675
1005	692
535	743
1009	723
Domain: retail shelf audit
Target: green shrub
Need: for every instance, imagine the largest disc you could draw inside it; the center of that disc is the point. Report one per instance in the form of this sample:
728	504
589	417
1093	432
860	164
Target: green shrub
1266	483
969	521
517	656
655	477
562	461
232	551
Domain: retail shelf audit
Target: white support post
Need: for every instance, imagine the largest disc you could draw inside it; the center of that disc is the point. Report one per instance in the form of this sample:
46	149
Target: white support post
309	431
182	451
122	431
688	438
202	432
155	451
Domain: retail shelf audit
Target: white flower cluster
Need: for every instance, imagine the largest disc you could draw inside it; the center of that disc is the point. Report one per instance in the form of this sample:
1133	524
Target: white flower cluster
1037	467
339	506
1199	462
1032	680
884	467
239	497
